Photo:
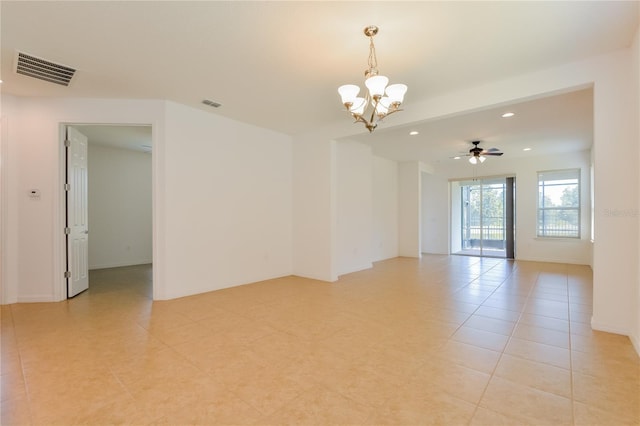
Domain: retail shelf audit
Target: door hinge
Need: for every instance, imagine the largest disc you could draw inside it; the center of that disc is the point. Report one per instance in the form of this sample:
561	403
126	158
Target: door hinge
67	143
67	187
67	274
67	231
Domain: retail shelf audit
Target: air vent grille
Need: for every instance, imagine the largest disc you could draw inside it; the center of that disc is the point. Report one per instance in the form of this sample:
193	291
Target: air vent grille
211	103
44	70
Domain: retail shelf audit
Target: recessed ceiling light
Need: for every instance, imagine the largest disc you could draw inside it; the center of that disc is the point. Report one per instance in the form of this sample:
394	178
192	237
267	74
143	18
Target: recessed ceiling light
413	133
527	149
508	114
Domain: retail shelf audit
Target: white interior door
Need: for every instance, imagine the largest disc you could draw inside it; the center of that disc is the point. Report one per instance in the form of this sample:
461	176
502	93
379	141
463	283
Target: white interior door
77	213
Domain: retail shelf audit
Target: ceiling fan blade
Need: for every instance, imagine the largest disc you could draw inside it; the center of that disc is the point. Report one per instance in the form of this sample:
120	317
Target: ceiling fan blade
476	151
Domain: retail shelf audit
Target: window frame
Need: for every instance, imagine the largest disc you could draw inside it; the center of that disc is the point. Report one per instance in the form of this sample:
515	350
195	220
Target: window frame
574	173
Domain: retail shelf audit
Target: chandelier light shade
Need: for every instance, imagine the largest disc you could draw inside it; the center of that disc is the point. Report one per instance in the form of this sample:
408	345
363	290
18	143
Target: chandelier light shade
380	100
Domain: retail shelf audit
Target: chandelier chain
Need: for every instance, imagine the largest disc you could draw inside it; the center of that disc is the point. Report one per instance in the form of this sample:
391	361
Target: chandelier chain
373	60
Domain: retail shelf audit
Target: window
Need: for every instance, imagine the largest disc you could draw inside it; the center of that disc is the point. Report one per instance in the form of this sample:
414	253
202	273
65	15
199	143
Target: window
559	203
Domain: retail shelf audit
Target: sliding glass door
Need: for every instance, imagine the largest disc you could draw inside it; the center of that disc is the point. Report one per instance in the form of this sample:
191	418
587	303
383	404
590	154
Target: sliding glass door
484	212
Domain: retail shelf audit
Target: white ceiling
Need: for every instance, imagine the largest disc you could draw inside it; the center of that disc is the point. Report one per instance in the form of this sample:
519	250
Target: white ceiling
561	123
278	64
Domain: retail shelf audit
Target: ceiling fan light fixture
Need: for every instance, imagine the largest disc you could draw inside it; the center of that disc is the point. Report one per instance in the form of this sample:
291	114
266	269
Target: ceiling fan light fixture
477	159
381	105
477	154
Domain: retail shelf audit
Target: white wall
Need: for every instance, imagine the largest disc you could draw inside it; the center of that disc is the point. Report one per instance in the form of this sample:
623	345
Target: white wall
434	211
8	234
354	172
528	246
227	202
635	51
120	213
33	246
615	255
409	209
455	244
314	208
222	196
385	209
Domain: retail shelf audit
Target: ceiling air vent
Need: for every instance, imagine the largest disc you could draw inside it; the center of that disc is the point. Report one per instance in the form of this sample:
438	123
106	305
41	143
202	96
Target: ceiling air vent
43	69
211	103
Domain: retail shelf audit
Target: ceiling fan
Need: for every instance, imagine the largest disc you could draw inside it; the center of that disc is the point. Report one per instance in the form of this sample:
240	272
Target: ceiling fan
477	155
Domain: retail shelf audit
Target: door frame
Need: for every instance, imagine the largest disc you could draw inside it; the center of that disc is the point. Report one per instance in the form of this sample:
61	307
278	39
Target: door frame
509	216
59	237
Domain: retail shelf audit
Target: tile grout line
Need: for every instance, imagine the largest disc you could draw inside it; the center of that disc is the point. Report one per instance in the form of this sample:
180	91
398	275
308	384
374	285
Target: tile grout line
22	370
481	304
510	338
569	335
573	405
501	352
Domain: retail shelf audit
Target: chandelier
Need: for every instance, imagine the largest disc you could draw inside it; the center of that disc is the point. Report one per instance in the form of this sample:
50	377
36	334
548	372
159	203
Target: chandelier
384	100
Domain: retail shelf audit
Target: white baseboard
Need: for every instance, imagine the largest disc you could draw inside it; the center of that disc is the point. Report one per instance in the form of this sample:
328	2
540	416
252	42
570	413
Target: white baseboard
383	258
553	260
608	328
635	341
37	299
357	269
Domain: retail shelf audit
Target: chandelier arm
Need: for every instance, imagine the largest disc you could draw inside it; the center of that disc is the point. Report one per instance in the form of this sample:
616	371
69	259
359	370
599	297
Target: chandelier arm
370	125
359	118
390	112
373	110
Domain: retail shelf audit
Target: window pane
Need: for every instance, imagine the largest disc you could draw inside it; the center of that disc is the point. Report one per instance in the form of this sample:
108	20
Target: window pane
559	195
559	203
559	223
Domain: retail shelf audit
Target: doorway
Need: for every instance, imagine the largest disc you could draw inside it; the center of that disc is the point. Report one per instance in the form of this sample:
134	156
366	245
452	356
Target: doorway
483	217
115	200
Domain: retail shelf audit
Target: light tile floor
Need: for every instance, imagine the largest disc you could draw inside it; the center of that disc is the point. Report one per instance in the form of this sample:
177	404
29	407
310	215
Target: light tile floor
441	340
